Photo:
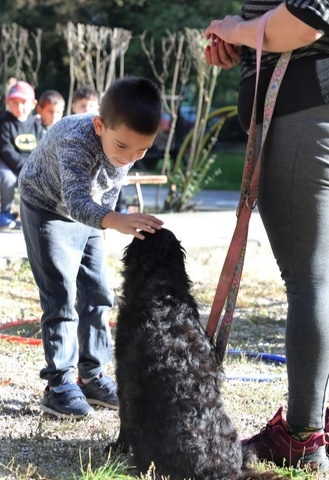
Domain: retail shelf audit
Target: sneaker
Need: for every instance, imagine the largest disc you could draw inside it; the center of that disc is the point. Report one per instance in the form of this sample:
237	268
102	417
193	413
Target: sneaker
6	221
18	225
14	217
102	391
274	444
65	401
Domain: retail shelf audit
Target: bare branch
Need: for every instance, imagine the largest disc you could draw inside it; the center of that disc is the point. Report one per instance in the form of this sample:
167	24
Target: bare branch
20	53
93	53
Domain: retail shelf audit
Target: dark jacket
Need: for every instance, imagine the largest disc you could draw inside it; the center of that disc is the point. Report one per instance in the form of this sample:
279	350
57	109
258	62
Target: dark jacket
17	140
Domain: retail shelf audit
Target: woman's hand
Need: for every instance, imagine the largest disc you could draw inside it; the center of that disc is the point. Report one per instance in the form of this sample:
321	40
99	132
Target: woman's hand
222	50
221	54
132	223
225	29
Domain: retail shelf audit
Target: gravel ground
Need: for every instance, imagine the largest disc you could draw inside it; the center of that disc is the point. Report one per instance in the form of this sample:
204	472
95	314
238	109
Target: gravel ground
35	444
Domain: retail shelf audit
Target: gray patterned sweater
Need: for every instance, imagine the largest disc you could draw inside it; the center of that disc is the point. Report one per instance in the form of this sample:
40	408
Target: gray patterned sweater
69	174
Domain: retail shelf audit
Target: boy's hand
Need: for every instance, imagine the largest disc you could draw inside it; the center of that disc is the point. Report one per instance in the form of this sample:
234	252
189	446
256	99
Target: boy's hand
131	223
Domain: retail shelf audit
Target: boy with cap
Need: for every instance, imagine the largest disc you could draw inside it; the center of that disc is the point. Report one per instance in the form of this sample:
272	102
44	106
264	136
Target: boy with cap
19	135
69	188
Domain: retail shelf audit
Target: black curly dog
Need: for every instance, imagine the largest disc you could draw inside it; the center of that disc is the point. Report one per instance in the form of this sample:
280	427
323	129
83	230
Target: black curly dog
169	378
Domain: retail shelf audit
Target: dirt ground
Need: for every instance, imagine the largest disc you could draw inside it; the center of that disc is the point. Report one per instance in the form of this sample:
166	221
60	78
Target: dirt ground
33	445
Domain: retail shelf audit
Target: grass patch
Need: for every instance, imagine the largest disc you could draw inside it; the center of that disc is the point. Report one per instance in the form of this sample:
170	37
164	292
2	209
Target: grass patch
115	469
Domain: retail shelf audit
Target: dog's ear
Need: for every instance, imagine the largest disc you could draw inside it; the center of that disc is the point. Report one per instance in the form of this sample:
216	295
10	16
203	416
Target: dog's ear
157	248
172	251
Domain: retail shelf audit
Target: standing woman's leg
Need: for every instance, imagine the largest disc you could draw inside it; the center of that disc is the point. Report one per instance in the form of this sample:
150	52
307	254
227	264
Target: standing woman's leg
294	206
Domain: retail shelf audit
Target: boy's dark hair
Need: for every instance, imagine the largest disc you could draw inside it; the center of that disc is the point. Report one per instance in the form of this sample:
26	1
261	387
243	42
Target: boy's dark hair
133	101
50	96
85	92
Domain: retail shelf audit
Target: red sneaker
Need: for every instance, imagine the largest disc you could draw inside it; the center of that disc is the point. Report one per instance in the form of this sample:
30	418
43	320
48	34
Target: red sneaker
274	444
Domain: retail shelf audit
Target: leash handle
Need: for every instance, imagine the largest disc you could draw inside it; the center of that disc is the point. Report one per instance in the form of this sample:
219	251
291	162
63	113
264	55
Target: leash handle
229	280
250	177
239	235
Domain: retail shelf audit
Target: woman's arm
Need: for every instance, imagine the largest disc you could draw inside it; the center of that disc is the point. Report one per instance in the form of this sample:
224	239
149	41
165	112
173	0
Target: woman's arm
283	32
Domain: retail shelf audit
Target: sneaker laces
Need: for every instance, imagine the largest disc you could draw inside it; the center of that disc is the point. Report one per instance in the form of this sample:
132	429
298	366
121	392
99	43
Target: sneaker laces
276	421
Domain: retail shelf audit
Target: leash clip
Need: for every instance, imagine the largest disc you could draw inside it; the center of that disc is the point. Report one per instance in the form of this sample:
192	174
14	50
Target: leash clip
251	201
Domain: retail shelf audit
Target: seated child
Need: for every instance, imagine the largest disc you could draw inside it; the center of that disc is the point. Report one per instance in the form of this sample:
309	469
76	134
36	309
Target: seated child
19	135
85	100
50	108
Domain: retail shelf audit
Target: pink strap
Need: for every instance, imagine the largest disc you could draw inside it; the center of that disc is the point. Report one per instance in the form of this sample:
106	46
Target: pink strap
229	280
259	43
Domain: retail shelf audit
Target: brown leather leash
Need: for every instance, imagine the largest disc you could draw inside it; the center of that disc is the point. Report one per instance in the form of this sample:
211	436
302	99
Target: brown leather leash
230	277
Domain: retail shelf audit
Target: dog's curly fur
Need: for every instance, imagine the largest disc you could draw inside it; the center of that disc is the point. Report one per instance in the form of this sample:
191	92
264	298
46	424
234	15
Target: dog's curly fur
169	378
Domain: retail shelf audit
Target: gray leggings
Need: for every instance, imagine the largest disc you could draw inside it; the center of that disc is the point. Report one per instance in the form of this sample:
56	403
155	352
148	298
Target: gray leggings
294	206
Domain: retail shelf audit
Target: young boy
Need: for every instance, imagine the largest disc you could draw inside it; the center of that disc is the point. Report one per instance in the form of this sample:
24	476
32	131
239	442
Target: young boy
85	100
50	108
19	135
69	187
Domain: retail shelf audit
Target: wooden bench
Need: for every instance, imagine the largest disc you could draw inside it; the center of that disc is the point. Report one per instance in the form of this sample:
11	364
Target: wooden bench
141	179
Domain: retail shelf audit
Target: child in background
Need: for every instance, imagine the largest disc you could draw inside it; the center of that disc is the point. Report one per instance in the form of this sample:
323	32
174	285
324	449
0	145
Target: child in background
85	100
69	188
50	108
19	135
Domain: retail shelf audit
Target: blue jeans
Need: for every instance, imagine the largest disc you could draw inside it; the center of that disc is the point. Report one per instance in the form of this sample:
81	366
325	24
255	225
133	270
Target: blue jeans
8	183
69	265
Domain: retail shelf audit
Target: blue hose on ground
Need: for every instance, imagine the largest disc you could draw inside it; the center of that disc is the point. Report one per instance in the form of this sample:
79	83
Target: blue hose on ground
266	357
269	357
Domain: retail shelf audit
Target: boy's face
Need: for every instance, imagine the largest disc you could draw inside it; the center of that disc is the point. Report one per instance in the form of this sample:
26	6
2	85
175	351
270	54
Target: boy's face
50	114
20	108
85	105
122	146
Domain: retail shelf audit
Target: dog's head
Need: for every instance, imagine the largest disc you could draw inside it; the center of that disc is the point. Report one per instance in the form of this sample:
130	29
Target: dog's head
159	248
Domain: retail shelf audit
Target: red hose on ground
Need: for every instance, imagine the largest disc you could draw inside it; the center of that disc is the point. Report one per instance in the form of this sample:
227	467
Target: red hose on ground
25	340
17	338
38	341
